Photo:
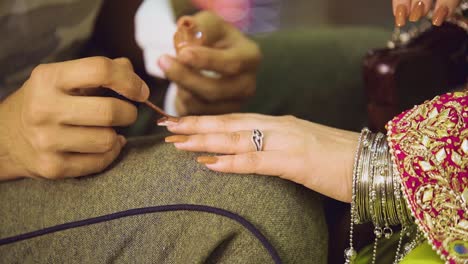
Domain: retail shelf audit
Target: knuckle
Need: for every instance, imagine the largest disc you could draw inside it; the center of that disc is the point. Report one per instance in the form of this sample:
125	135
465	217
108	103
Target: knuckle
289	118
42	73
195	122
125	61
50	167
107	113
108	140
35	114
235	138
43	141
224	122
39	71
101	69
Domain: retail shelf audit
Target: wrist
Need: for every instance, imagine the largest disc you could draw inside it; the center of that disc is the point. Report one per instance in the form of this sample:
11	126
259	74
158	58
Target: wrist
351	145
9	169
332	152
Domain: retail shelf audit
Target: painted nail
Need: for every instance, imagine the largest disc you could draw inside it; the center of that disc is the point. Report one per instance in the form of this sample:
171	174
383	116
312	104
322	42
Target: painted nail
176	139
207	159
168	121
417	12
439	15
401	13
165	62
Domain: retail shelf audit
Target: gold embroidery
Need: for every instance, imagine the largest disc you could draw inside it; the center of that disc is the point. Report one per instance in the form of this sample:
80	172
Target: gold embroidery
433	142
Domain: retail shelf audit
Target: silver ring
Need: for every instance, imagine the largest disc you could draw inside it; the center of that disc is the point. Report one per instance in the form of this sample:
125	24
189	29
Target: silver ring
257	139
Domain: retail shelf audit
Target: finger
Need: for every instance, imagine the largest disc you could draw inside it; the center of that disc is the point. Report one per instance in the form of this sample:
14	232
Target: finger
80	140
223	123
263	162
400	11
125	63
230	61
100	71
188	104
208	89
222	143
97	111
443	10
419	8
86	164
212	27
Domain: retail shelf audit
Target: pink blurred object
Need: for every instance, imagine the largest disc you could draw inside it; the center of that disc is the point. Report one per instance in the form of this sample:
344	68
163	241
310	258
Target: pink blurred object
236	12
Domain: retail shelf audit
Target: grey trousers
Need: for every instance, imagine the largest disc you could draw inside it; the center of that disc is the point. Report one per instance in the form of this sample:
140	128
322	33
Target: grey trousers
157	205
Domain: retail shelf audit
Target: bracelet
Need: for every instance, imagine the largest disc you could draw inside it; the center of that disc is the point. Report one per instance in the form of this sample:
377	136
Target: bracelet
350	253
376	193
362	190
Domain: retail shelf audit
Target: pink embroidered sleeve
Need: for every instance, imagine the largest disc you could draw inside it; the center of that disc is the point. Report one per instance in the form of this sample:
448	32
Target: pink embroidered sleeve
429	147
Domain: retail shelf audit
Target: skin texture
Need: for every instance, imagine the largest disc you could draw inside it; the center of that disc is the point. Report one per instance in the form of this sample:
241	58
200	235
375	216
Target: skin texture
56	126
415	9
318	157
222	49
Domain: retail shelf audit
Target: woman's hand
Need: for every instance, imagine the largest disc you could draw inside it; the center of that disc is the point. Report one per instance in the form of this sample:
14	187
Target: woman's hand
415	9
225	51
55	126
318	157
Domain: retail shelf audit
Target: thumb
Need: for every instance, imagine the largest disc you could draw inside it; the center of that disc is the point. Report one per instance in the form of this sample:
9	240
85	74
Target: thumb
203	29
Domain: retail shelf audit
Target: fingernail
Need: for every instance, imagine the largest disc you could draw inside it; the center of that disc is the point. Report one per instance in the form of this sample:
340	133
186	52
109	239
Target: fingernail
168	121
122	140
176	139
207	159
417	12
165	62
186	21
439	15
186	56
144	91
401	13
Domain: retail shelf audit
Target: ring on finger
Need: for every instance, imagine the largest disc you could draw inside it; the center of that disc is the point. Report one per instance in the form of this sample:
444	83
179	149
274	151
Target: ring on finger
257	139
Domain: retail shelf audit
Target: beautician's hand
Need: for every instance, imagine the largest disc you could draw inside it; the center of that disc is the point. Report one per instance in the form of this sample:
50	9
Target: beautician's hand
53	127
316	156
415	9
226	51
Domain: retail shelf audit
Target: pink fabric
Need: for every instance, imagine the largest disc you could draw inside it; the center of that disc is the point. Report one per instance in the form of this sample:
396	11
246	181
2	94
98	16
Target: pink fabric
429	148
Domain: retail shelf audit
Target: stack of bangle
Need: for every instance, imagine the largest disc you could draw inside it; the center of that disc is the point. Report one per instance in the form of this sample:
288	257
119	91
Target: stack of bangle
377	195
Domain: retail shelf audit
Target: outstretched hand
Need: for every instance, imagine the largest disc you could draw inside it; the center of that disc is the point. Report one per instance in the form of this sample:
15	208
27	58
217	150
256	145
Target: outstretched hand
316	156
